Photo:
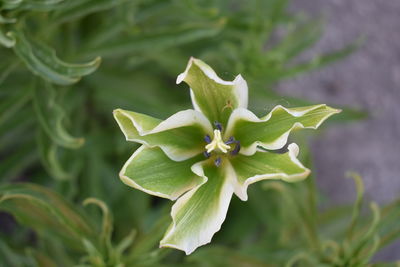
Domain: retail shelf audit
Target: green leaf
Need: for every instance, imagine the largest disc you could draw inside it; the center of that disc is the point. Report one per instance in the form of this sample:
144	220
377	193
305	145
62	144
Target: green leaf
4	20
7	39
180	136
11	4
211	95
50	158
73	10
51	117
18	160
107	225
272	131
9	257
199	214
41	259
41	5
13	102
42	61
149	240
151	42
300	36
322	60
224	256
46	212
265	165
151	171
357	205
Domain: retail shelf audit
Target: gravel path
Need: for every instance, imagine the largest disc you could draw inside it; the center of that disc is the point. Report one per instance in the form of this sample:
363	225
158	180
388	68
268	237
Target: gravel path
369	79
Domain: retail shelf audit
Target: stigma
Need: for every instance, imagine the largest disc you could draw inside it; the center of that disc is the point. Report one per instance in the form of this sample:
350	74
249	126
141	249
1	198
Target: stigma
217	143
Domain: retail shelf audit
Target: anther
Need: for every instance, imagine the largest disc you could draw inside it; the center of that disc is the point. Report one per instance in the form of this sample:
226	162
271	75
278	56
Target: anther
207	138
218	125
236	150
217	143
206	154
217	161
231	140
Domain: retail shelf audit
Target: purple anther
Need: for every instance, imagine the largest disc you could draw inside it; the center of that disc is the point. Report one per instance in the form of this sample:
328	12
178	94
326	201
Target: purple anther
236	149
207	138
217	161
206	154
218	125
231	140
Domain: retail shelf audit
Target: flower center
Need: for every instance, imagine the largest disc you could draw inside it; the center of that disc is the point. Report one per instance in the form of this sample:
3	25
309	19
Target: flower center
217	143
219	146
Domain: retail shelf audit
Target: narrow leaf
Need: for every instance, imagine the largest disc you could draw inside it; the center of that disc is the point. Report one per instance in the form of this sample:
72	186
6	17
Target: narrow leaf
42	61
46	212
154	41
51	117
50	158
6	39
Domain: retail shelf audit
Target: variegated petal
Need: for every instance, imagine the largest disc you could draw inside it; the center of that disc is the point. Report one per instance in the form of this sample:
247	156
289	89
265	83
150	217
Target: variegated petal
267	165
211	95
151	171
181	136
199	213
272	131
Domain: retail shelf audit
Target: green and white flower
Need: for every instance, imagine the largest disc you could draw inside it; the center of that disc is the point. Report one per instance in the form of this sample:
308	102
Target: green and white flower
200	157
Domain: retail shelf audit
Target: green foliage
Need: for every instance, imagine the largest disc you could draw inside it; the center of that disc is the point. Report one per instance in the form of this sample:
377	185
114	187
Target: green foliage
57	131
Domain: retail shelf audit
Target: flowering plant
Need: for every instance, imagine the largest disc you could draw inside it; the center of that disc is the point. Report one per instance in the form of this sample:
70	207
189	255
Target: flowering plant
202	156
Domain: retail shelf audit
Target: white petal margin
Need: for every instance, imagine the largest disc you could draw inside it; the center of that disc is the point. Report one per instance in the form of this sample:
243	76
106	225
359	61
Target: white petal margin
199	213
151	171
284	167
238	86
176	143
280	140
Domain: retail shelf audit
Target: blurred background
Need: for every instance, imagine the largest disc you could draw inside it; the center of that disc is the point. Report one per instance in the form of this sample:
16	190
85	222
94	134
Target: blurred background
65	65
368	79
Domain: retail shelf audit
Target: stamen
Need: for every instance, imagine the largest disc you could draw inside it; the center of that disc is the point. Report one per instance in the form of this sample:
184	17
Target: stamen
217	161
206	154
231	140
217	143
236	150
218	125
207	138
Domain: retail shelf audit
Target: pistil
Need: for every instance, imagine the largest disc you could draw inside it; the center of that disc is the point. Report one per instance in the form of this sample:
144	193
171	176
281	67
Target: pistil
217	143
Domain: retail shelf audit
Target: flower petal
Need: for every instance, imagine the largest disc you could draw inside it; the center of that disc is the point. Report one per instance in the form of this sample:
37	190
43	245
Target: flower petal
272	131
211	95
266	165
199	213
151	171
180	136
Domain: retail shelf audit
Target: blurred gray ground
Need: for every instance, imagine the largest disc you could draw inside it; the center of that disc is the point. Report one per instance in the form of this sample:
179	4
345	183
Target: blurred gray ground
369	79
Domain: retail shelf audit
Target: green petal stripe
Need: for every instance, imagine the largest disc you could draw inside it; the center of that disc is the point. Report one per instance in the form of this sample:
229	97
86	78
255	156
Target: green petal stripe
180	136
151	171
211	95
199	213
266	165
272	131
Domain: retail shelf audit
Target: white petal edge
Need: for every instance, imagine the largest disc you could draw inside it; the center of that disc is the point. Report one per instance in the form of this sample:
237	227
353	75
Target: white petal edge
241	190
180	119
245	114
129	182
228	189
239	84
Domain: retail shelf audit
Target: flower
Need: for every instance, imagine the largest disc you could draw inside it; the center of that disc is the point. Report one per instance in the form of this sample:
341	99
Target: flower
202	156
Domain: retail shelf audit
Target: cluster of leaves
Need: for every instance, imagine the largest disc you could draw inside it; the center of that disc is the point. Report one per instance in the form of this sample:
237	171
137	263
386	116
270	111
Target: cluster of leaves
291	233
57	131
